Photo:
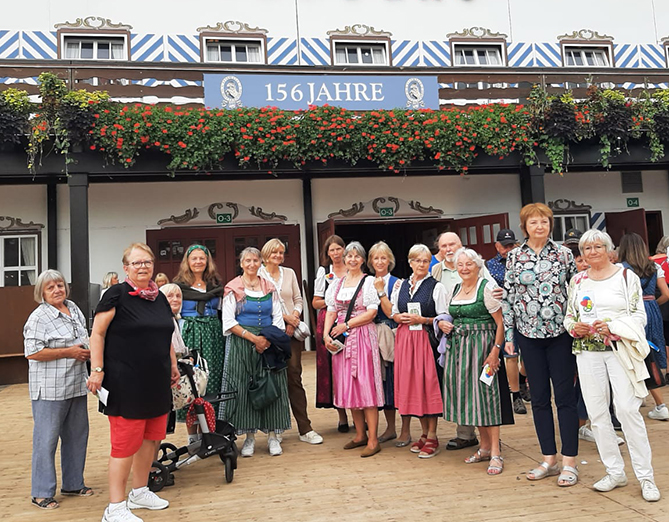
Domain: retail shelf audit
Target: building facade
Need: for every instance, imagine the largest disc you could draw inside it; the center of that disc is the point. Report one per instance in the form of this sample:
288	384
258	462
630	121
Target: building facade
365	54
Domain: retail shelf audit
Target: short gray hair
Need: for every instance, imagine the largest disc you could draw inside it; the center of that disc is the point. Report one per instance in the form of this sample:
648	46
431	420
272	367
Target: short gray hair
44	279
168	288
473	255
355	246
249	251
593	236
418	249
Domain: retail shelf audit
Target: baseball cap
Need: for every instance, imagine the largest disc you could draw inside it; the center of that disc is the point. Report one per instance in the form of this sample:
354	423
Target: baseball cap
572	236
506	237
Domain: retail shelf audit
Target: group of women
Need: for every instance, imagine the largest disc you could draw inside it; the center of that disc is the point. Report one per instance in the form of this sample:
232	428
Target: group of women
382	344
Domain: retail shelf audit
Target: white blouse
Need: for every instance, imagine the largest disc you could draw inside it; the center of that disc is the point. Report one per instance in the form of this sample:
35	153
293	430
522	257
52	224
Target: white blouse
370	298
230	311
178	344
490	302
323	280
438	295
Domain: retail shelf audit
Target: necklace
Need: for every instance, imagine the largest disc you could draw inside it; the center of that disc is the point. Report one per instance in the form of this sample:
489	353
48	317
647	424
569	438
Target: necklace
200	284
248	283
467	292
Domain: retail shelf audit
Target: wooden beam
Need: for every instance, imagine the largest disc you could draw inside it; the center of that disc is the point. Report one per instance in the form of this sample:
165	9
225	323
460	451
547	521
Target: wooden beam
79	242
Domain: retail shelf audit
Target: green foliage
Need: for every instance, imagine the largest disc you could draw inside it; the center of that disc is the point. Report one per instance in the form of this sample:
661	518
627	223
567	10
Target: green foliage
201	139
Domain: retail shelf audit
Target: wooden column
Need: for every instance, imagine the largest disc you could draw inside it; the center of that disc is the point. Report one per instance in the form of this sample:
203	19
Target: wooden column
532	188
308	228
79	242
52	224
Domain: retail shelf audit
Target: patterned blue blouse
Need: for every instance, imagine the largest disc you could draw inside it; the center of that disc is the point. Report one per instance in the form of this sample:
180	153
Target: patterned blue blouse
535	290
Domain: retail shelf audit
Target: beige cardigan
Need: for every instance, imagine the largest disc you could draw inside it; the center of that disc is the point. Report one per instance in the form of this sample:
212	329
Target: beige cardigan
291	297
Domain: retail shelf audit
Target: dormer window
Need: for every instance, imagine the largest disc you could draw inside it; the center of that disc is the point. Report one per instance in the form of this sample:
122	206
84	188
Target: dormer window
93	38
478	47
575	56
233	42
586	48
481	55
360	45
363	53
94	48
233	51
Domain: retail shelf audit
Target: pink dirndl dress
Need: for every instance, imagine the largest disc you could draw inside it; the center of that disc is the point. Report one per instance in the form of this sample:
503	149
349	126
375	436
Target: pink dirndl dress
356	370
417	388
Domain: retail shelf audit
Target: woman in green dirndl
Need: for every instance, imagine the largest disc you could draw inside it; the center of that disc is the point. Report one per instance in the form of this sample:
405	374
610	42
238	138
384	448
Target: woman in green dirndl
251	303
202	291
476	337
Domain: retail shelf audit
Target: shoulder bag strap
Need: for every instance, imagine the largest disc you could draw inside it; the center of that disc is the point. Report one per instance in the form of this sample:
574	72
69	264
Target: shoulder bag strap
351	305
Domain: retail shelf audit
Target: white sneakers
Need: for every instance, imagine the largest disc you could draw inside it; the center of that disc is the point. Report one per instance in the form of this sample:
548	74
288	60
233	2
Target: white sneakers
585	433
146	499
311	438
120	514
660	412
649	491
609	482
249	447
274	446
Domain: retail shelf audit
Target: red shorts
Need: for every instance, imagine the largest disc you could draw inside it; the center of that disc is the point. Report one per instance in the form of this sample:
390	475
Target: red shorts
127	435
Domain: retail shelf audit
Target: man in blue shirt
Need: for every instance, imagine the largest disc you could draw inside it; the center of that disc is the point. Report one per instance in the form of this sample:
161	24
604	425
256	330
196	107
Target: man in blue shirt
506	241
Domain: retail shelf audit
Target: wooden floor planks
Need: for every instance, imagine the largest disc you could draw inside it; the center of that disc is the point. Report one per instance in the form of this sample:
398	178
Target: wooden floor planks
326	483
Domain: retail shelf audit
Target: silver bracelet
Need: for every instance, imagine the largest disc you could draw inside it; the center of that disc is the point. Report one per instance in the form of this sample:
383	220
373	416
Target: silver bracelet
243	334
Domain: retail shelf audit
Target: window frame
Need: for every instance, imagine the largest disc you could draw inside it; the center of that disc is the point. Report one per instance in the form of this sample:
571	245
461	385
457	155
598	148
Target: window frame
260	39
500	45
569	45
562	217
19	234
97	36
360	42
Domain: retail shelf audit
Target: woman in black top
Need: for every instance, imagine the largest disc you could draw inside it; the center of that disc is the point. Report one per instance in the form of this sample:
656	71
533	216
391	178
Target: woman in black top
132	358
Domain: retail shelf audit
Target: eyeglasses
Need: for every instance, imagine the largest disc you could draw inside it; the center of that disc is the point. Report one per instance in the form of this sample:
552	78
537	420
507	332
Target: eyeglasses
138	264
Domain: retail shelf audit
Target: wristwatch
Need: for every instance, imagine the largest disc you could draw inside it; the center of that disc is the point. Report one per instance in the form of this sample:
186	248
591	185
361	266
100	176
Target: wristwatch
498	346
97	369
381	294
347	326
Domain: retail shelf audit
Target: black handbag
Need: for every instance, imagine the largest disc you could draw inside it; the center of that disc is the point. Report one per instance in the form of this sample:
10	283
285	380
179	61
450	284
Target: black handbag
264	387
342	337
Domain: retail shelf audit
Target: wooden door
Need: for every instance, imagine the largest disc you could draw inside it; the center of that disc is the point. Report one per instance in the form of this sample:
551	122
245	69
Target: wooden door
479	233
225	245
325	230
239	238
621	223
170	245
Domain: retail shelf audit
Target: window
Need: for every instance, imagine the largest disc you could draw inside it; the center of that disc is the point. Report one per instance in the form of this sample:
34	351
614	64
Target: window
565	222
586	56
350	53
234	51
19	260
482	55
88	48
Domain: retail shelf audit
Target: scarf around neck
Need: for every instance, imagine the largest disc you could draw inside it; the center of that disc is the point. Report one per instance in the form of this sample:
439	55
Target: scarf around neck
150	293
236	286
